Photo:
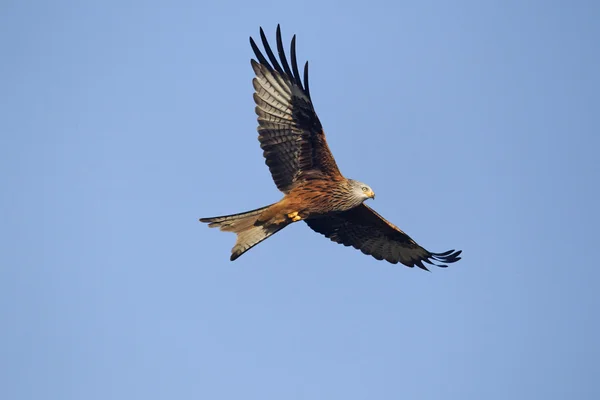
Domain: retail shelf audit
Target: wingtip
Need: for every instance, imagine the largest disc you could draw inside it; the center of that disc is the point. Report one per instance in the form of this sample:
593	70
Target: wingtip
278	31
306	87
262	34
419	264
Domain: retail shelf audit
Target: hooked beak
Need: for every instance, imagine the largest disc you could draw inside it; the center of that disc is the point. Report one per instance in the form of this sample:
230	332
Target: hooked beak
372	195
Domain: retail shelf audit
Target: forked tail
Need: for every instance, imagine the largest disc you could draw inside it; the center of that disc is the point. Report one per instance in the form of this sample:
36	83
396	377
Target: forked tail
249	233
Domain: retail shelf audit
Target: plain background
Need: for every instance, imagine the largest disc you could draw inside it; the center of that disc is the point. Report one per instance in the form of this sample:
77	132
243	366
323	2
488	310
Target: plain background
123	122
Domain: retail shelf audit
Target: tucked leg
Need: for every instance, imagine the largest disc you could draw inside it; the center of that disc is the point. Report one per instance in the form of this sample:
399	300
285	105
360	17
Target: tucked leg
294	216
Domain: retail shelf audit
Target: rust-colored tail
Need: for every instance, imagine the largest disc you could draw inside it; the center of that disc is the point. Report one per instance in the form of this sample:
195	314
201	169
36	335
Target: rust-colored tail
249	232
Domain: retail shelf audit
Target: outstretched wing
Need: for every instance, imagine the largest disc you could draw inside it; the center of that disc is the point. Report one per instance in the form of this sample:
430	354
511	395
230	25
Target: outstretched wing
290	132
364	229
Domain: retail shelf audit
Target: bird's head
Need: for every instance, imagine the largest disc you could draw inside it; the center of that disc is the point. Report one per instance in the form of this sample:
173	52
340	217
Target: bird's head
362	190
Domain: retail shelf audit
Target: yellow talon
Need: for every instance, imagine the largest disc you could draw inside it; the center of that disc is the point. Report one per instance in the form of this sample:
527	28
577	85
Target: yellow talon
294	216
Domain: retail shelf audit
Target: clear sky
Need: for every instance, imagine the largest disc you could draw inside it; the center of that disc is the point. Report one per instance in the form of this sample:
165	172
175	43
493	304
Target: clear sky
477	124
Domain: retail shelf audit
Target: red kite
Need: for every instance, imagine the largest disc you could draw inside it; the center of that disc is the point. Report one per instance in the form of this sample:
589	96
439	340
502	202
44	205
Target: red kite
304	169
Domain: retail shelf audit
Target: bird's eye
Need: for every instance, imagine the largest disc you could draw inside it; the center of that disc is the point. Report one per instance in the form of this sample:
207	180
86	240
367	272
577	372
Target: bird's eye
364	189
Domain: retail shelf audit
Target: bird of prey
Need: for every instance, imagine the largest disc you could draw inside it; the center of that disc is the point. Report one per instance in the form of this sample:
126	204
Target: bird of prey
303	168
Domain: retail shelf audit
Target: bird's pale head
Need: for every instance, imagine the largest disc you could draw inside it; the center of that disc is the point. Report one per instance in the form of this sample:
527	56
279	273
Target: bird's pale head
362	190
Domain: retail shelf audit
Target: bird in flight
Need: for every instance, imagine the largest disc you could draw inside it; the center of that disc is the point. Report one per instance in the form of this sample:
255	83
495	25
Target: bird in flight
303	168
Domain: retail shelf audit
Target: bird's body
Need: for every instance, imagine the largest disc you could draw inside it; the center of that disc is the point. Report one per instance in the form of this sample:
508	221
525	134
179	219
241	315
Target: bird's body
312	199
304	169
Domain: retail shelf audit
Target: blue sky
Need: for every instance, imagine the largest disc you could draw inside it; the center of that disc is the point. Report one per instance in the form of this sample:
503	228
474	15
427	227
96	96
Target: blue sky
476	123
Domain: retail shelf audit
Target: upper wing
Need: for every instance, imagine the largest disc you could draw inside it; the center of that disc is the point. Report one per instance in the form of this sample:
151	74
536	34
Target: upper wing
369	232
290	132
